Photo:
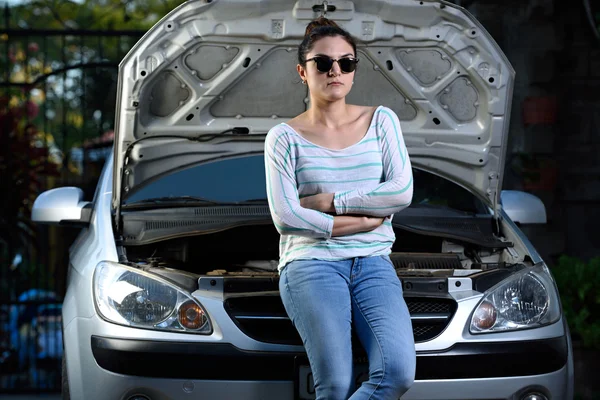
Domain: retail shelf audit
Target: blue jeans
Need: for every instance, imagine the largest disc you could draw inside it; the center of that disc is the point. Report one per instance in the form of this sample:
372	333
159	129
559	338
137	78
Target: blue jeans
324	298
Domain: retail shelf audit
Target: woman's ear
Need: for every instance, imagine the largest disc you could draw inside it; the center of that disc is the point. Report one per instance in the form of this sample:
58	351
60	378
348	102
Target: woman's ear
301	72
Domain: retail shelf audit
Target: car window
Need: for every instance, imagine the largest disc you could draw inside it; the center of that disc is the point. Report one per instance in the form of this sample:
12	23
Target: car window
434	190
242	179
228	180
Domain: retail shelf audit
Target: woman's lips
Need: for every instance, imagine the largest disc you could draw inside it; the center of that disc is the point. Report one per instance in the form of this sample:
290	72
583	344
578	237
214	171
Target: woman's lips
335	83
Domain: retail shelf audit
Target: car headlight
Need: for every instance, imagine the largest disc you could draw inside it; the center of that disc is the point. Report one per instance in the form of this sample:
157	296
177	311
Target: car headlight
527	299
131	297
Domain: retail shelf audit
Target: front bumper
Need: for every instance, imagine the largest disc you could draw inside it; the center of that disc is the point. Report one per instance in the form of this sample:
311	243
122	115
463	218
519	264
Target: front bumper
223	361
120	387
177	370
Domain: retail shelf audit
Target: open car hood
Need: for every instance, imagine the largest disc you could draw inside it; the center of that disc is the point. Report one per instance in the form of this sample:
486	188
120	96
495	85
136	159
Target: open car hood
209	66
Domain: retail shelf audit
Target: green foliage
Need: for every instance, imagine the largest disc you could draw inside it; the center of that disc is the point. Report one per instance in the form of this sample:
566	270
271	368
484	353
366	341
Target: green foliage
25	161
58	93
91	14
72	79
578	283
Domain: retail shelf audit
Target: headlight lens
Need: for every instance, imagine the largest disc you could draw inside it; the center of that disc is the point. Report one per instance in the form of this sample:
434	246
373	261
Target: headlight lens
132	297
527	299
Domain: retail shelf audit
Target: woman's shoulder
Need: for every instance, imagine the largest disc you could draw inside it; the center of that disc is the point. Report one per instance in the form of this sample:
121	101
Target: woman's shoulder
360	112
385	111
386	121
280	133
296	122
376	113
385	115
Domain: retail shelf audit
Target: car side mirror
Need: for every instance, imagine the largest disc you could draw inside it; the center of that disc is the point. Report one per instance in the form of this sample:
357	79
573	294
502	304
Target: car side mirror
523	208
62	206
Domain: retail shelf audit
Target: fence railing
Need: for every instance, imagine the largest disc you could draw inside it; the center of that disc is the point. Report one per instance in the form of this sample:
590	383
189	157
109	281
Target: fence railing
57	100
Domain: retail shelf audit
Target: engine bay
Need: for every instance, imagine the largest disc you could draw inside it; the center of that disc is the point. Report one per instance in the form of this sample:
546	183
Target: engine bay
252	250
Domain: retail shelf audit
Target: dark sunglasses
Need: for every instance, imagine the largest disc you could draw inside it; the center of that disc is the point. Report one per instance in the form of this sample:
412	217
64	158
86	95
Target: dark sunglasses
324	63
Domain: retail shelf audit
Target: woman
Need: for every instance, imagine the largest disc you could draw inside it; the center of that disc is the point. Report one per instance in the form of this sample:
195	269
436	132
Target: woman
335	176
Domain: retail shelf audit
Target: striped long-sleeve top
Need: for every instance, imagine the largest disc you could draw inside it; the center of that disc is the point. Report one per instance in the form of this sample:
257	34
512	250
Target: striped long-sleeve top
372	177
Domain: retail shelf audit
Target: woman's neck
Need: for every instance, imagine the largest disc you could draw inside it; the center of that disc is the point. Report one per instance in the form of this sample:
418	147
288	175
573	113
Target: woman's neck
329	113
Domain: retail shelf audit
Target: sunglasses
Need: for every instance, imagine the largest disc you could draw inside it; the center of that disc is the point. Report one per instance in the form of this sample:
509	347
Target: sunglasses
324	63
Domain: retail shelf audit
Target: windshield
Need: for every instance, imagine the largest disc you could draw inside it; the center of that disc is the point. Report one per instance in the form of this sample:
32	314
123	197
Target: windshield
243	179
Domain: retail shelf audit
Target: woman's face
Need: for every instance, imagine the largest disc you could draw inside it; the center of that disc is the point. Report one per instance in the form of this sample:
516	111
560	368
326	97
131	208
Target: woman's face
334	84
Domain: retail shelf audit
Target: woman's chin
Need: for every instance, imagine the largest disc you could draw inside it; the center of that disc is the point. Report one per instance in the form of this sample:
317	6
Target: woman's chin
334	95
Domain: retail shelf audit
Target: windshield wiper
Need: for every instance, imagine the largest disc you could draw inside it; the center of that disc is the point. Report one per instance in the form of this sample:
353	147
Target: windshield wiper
252	201
441	207
168	201
171	200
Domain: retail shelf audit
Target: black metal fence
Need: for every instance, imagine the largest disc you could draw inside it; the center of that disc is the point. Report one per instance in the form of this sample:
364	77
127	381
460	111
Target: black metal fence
57	99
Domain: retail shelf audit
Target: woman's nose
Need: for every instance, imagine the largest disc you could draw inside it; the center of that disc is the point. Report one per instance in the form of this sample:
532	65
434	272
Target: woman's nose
335	69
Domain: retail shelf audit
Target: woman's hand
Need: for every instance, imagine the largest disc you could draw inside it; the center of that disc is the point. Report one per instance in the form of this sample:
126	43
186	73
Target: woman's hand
371	223
343	224
348	224
321	202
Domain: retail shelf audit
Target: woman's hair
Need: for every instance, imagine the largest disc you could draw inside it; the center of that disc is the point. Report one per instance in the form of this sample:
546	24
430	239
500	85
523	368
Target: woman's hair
320	28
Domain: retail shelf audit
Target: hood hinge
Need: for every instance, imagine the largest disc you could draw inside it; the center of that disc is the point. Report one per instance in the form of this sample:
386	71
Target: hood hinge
492	191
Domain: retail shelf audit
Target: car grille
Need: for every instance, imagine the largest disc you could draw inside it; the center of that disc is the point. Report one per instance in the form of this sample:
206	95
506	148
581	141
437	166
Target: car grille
262	317
425	261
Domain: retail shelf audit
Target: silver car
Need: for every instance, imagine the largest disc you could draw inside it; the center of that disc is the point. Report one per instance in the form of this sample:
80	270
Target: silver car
172	284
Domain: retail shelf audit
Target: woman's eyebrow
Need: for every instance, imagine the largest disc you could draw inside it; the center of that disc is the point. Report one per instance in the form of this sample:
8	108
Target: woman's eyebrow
326	55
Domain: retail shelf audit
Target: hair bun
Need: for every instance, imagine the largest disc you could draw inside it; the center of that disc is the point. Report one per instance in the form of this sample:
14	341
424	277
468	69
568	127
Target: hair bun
319	23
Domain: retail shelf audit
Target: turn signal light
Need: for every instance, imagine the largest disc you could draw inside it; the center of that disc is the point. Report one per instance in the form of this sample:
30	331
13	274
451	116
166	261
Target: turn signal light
191	315
485	316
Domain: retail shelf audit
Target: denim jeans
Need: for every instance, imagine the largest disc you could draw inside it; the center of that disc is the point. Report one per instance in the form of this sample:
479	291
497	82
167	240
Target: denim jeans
325	298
